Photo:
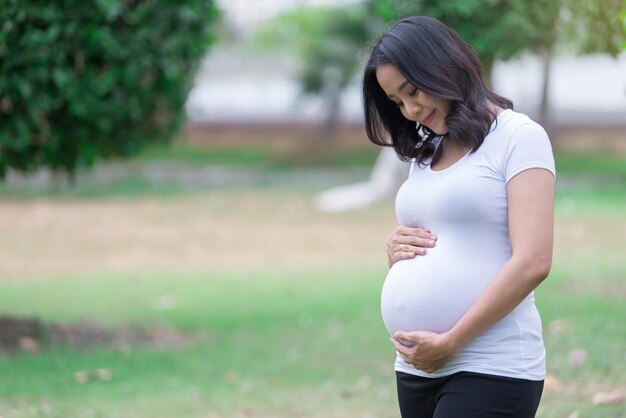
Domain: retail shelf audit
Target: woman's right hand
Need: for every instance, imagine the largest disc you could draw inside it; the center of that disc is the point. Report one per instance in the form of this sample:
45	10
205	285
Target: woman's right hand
406	242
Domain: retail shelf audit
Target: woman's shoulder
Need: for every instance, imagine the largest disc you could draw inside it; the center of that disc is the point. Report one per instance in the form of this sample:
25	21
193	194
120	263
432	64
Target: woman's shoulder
513	126
512	119
519	143
514	136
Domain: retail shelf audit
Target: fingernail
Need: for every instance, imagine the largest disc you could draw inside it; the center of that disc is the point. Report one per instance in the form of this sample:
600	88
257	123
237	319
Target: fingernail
433	237
431	242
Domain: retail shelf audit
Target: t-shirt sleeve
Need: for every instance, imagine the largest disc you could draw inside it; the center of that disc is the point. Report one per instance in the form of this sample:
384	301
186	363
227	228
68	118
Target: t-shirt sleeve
528	147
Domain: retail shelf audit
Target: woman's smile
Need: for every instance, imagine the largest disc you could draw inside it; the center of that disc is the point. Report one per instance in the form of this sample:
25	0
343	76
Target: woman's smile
428	119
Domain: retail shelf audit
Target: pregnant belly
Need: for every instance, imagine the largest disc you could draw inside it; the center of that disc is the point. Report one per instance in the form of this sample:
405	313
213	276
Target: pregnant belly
430	293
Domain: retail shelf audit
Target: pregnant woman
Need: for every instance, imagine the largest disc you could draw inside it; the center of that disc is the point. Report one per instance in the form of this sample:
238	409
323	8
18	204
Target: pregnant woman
458	301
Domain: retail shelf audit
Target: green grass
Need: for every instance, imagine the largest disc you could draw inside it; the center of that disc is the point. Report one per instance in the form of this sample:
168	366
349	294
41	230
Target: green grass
590	163
590	201
260	156
182	169
195	155
587	297
291	332
287	333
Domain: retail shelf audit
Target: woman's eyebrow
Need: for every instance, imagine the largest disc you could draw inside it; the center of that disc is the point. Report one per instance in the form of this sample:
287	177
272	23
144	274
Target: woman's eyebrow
402	86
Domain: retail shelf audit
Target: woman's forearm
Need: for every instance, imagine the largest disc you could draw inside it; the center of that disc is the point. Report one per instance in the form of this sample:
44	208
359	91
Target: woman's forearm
531	225
514	282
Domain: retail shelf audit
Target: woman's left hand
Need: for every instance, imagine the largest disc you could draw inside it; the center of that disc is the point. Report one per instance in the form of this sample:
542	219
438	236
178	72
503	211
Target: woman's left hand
426	351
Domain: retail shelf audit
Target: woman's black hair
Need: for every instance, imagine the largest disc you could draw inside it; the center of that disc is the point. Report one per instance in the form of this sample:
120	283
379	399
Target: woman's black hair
433	58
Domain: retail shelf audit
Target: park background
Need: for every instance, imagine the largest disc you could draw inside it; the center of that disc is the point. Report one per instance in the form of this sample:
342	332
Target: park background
205	279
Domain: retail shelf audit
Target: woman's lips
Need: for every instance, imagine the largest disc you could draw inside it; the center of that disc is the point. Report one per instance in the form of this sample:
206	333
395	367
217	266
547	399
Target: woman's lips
428	119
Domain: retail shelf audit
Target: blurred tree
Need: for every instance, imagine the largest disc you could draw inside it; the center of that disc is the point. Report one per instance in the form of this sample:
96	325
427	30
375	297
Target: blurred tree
496	29
326	39
623	18
100	78
583	27
594	26
501	29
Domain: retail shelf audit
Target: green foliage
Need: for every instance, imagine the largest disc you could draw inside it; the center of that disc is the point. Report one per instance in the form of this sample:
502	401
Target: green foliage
325	38
501	29
595	26
622	18
328	39
99	78
496	29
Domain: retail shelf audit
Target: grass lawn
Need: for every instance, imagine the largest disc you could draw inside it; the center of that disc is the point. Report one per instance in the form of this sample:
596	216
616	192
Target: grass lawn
280	303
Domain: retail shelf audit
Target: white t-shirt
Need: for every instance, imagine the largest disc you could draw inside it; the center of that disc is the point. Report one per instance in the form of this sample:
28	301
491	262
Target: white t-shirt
465	205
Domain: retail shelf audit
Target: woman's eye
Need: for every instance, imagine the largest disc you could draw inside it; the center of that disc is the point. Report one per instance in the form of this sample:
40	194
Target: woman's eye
413	93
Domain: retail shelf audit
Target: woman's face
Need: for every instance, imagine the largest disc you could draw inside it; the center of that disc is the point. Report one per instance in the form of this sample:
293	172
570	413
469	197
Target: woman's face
414	104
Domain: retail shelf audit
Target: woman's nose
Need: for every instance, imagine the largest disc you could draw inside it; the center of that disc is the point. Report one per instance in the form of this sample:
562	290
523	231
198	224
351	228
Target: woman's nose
413	110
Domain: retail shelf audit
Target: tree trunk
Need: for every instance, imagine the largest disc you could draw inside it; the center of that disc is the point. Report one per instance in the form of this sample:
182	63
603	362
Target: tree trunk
544	104
488	73
332	104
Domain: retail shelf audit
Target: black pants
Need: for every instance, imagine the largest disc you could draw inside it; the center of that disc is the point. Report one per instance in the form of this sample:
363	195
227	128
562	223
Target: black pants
467	395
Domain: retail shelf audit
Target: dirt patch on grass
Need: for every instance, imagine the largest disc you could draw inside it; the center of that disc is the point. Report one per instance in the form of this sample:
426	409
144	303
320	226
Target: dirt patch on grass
32	335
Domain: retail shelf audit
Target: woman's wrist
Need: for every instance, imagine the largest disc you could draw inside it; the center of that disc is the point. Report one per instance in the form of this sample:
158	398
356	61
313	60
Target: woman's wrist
453	341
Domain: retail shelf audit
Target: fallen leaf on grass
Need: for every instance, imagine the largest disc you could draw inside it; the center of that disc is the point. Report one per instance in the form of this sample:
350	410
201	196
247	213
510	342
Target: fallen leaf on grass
165	303
81	377
232	377
84	376
578	356
28	345
615	397
559	325
346	394
364	382
103	374
552	384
